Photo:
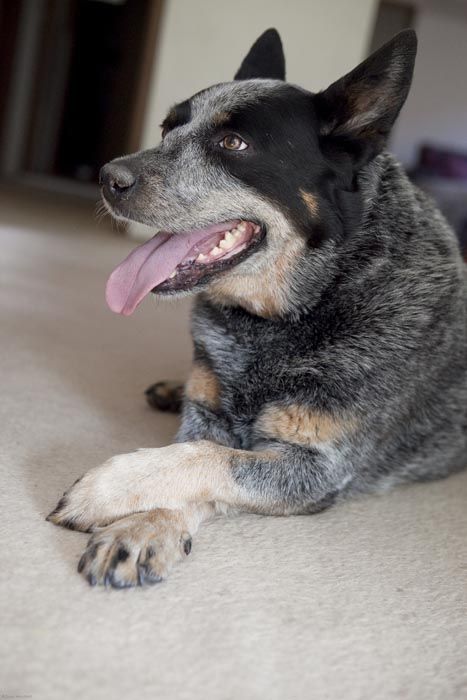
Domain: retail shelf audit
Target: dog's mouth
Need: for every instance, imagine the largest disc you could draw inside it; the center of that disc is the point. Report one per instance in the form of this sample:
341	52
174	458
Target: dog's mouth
170	263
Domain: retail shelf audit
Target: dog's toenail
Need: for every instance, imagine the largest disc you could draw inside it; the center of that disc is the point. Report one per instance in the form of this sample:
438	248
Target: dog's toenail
146	575
60	506
82	562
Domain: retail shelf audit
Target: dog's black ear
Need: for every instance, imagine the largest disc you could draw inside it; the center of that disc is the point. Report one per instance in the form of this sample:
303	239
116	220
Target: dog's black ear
358	111
265	59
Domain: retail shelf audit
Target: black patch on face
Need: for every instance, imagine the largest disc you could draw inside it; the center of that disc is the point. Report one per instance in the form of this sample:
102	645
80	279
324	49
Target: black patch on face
179	115
284	159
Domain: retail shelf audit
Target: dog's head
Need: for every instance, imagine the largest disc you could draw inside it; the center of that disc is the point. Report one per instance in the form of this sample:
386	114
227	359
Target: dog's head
254	184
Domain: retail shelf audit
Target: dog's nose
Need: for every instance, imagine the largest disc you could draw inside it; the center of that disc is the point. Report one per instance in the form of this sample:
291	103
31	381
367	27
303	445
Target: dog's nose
116	179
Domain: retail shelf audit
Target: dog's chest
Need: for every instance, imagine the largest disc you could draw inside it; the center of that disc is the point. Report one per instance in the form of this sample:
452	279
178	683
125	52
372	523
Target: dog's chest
248	357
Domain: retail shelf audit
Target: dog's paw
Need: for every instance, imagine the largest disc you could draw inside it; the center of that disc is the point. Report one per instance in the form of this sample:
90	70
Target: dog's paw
79	509
129	483
137	550
106	493
165	396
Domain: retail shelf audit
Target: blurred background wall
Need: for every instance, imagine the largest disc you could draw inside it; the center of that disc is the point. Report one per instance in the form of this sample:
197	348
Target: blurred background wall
436	111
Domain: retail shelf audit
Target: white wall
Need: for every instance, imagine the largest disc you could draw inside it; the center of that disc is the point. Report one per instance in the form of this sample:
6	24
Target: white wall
436	109
204	41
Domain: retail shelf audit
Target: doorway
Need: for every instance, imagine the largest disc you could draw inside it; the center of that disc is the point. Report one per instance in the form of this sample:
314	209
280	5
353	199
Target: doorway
76	75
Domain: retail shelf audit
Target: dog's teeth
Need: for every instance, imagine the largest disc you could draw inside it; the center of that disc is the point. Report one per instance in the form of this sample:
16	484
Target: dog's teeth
201	257
242	227
216	251
236	233
228	236
172	275
227	245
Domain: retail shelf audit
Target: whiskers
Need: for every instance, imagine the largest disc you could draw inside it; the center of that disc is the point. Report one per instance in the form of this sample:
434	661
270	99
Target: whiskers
103	212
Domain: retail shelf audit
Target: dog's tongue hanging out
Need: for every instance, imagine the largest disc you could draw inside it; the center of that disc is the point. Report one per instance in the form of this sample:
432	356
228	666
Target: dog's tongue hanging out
154	261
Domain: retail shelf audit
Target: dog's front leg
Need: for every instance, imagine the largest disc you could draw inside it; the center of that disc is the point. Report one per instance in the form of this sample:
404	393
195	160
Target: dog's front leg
277	478
166	477
156	498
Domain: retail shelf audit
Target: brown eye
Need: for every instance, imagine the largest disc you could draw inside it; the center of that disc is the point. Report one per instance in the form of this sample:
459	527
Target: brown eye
232	142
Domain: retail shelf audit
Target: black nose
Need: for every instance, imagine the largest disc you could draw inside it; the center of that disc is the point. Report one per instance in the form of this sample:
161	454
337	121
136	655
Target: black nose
116	179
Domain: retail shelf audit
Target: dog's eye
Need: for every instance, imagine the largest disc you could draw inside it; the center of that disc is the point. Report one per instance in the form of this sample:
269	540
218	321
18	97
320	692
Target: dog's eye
232	142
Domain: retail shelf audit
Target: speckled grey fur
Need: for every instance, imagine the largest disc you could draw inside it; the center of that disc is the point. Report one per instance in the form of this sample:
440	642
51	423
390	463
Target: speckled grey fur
387	341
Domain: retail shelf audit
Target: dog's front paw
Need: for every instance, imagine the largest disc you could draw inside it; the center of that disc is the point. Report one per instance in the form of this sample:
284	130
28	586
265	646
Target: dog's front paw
76	511
93	501
136	550
130	483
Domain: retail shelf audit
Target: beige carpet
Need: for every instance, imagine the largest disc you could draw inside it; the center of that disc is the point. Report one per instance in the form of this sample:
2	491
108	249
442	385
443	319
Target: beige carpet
366	601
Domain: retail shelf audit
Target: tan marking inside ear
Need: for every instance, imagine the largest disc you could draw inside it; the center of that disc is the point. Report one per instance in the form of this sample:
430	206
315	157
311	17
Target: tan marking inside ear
301	425
203	386
221	118
264	291
311	202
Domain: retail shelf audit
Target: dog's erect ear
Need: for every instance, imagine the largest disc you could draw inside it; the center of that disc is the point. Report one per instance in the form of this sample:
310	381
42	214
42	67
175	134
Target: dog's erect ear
361	107
265	59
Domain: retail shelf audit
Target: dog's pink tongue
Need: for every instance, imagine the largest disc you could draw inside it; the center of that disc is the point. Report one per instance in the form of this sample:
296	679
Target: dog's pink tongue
149	265
136	276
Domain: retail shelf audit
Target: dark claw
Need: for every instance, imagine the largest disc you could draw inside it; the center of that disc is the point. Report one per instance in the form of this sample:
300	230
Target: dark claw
70	525
187	546
116	583
147	576
60	506
82	562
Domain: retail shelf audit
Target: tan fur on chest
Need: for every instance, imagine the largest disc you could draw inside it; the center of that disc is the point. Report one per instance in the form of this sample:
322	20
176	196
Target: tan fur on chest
301	425
203	386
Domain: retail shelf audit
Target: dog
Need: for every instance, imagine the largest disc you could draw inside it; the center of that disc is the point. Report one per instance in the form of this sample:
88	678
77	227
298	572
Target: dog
329	323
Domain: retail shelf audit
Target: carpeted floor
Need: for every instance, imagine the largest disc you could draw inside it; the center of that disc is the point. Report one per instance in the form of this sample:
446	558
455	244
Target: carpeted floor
366	601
